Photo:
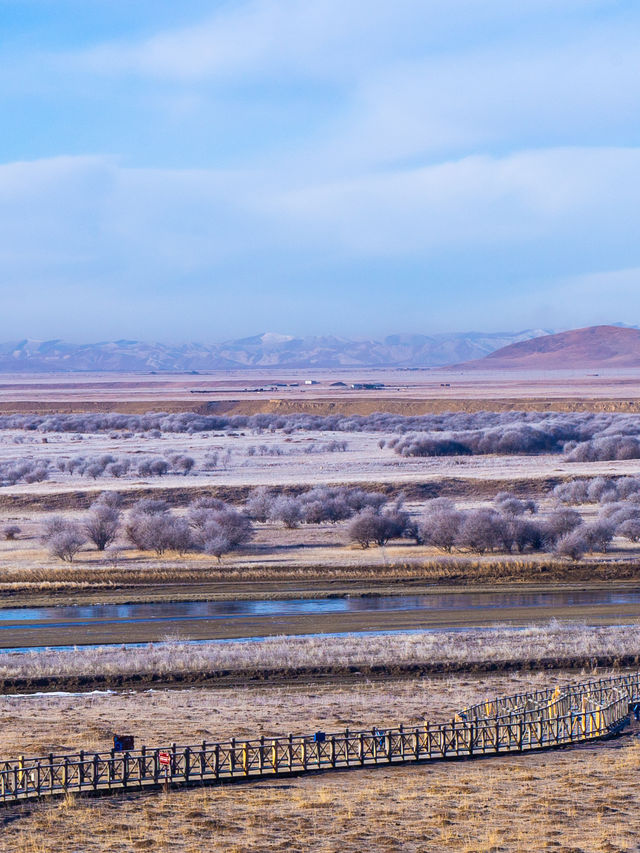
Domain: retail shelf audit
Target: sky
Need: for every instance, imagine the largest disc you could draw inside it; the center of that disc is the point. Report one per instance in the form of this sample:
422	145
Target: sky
199	171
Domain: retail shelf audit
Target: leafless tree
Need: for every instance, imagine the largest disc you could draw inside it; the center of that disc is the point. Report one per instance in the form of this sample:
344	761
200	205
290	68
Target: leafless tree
287	510
259	503
10	531
630	529
571	545
481	530
509	504
102	524
559	523
369	526
597	535
441	528
217	546
63	538
160	532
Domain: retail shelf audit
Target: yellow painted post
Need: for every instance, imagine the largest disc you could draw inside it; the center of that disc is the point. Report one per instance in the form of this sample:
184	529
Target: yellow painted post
303	754
245	758
21	770
274	755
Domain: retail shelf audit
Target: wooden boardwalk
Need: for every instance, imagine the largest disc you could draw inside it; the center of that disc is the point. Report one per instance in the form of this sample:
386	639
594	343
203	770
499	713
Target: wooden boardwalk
514	724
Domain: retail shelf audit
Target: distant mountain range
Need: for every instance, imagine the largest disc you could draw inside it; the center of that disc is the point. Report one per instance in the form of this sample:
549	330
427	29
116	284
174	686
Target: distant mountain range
261	351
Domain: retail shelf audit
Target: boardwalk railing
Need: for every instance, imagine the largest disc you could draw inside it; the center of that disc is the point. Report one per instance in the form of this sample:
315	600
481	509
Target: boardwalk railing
519	723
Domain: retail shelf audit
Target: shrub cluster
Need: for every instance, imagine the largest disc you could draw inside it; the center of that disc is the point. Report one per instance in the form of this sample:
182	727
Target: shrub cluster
315	506
118	466
582	437
506	528
370	526
598	490
210	526
555	427
615	447
24	471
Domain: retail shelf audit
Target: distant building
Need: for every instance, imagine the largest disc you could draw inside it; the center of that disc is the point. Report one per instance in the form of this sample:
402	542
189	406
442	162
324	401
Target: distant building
311	382
367	386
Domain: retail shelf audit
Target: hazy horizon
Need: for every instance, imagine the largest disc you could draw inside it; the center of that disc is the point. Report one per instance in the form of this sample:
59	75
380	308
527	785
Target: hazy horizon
200	171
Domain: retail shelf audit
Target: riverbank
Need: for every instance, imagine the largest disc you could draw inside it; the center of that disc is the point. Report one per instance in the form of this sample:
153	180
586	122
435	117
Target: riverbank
193	581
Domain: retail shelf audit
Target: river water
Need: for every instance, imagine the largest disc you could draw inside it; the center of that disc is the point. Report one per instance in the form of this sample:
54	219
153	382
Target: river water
192	611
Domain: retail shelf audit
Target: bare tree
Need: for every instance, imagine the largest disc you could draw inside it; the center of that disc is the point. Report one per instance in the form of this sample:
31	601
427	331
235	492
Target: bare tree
630	529
102	524
441	528
63	538
481	530
160	532
369	526
10	531
559	523
597	535
259	503
363	528
223	526
217	546
523	534
509	504
571	545
182	463
287	510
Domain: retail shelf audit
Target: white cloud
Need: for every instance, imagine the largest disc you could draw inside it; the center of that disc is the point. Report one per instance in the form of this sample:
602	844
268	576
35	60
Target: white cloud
483	202
319	38
578	88
96	210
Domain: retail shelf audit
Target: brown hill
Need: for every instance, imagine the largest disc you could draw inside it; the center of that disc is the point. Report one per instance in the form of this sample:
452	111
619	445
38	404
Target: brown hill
593	347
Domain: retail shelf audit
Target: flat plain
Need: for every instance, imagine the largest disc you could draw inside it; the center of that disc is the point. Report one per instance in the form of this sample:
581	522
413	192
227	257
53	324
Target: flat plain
572	800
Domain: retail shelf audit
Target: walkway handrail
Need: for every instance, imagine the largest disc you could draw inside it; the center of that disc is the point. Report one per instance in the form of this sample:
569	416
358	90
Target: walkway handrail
525	722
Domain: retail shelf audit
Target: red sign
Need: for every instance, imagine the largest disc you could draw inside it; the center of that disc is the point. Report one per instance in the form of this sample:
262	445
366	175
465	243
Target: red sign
164	758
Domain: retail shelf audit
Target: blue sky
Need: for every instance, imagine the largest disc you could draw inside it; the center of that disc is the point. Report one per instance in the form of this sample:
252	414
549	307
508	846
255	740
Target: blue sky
207	170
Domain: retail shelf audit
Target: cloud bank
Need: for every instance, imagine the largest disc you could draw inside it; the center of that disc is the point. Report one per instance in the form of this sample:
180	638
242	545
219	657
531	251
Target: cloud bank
354	168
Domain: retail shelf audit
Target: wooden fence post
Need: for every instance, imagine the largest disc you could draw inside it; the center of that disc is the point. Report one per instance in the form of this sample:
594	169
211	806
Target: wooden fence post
203	759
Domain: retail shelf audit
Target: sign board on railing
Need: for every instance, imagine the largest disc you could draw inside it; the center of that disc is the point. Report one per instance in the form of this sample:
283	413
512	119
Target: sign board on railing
122	743
164	758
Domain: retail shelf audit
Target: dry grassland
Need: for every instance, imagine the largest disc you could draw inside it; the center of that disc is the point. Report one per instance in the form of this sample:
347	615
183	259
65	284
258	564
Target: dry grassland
351	656
582	799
